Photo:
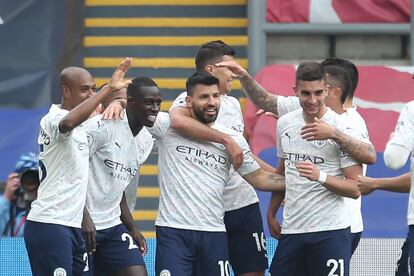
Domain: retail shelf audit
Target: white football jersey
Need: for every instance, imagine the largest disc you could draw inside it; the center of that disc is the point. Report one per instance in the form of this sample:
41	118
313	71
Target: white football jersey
287	104
63	172
310	207
145	143
404	137
355	127
237	193
113	164
192	178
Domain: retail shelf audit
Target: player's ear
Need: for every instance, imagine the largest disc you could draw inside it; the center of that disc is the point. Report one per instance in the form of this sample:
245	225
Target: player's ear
209	69
189	101
65	91
294	90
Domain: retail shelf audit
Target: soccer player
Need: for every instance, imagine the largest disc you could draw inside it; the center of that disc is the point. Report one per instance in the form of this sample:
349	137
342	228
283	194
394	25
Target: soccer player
244	226
53	235
114	162
359	147
191	237
396	153
315	233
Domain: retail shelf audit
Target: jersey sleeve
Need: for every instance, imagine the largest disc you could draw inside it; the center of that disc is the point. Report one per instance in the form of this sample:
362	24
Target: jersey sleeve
161	125
404	130
179	101
50	125
287	104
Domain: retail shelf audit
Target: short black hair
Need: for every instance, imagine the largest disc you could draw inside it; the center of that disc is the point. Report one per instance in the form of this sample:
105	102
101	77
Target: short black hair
135	87
211	53
199	78
338	77
349	67
310	71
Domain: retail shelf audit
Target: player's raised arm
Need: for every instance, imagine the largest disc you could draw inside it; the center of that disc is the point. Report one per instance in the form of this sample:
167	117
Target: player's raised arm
81	112
256	93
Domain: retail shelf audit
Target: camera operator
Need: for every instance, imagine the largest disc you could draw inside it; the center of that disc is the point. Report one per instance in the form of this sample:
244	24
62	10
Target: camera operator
20	191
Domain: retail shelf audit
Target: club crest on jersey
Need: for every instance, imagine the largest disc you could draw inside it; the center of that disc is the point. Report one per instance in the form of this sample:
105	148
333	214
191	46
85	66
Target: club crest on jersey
319	143
60	271
165	272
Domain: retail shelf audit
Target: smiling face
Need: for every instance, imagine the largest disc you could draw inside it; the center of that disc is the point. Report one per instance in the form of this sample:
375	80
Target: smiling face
205	103
312	97
145	105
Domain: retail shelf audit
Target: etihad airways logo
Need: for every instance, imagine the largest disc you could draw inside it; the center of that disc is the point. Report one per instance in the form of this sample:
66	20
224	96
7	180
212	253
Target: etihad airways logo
296	157
207	156
120	168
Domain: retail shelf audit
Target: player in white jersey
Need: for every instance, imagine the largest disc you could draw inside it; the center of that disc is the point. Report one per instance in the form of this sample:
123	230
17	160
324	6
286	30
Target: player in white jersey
53	236
115	156
247	242
359	147
339	88
315	233
396	154
191	238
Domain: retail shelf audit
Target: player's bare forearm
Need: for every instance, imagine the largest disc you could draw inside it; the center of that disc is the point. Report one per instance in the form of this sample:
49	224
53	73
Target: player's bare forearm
184	124
360	151
258	95
398	184
342	187
126	216
274	204
266	181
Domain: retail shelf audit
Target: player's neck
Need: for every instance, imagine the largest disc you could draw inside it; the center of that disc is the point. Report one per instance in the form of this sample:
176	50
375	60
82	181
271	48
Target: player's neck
310	118
338	108
348	103
134	125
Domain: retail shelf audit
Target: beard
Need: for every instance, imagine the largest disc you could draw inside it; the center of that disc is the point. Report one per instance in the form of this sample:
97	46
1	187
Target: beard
205	119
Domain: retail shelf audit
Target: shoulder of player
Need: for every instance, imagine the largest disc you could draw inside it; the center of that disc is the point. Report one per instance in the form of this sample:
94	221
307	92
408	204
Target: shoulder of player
288	117
409	106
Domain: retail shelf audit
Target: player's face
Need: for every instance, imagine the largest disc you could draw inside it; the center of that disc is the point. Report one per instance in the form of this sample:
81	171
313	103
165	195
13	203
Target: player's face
224	75
311	96
332	99
81	89
147	106
205	103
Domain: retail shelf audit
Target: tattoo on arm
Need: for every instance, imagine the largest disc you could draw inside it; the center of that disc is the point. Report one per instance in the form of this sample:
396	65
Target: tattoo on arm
276	179
260	97
358	150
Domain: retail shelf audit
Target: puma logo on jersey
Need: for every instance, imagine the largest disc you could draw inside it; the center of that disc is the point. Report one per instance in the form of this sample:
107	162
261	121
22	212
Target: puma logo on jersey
118	145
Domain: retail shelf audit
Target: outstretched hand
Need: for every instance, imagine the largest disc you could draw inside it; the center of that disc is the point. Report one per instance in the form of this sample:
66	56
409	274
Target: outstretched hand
117	80
267	113
234	67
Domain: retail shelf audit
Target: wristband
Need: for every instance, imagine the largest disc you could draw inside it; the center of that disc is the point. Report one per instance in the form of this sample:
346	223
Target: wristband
322	177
